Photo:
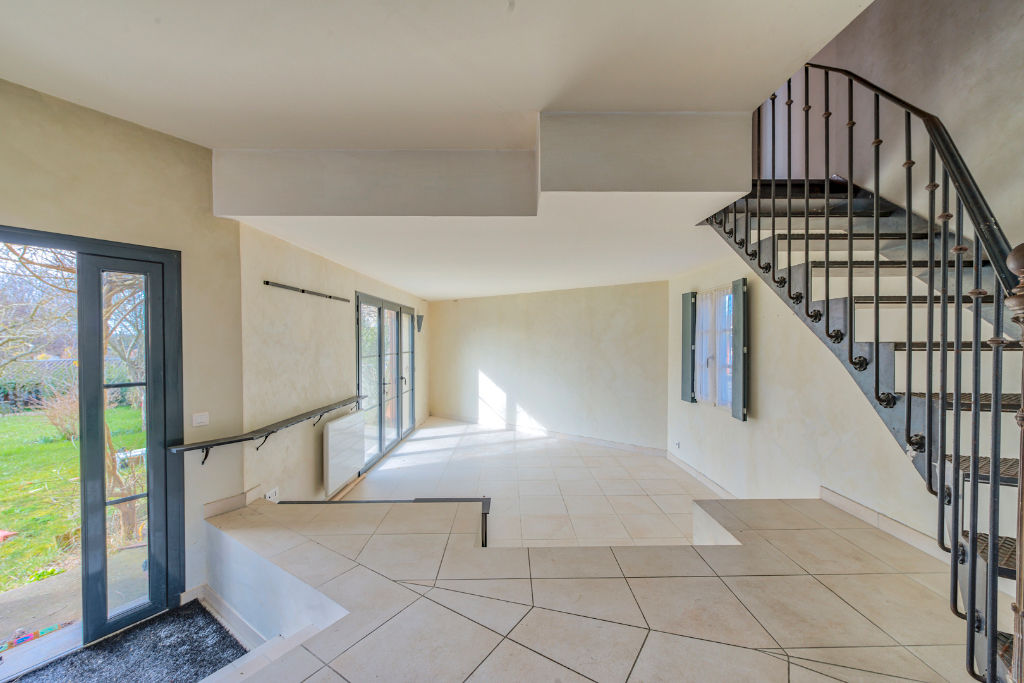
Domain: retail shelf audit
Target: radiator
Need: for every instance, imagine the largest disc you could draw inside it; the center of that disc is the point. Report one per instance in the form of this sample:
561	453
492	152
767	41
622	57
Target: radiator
343	451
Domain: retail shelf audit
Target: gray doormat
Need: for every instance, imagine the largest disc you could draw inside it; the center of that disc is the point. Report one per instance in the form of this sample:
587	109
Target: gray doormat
183	645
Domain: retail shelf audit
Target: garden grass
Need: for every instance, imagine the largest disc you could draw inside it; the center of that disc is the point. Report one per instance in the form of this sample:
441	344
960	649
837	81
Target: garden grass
39	492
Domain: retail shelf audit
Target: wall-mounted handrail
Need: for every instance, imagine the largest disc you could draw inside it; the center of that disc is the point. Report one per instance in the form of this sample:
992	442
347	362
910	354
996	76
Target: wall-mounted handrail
262	432
986	226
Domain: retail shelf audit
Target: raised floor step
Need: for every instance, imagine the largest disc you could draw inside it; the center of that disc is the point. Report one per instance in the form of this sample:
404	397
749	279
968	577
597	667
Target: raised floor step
1009	469
1009	403
1007	553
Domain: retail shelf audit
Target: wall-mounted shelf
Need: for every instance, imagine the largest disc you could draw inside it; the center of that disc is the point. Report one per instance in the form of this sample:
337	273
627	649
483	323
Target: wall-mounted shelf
262	432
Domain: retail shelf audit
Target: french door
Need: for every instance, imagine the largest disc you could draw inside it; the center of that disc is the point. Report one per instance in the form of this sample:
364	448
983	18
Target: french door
386	345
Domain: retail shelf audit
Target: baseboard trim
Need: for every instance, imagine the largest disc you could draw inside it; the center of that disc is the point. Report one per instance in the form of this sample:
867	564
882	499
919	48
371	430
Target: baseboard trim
719	490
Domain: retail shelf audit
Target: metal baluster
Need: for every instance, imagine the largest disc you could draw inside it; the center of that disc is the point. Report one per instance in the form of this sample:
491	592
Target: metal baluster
886	400
735	225
725	221
746	217
797	297
974	621
764	266
994	487
943	362
780	282
814	315
858	362
752	254
835	335
914	441
929	411
958	334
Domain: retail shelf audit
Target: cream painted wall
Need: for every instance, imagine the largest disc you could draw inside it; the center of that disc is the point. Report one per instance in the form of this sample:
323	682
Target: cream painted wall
587	362
298	353
71	170
794	440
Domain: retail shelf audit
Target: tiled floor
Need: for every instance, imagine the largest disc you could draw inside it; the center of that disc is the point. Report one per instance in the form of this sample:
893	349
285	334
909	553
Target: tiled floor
544	490
804	598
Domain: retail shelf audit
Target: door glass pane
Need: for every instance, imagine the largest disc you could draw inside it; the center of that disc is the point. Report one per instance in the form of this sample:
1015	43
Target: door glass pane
40	436
368	330
390	331
390	376
124	323
369	385
125	442
390	421
407	330
406	373
408	419
127	555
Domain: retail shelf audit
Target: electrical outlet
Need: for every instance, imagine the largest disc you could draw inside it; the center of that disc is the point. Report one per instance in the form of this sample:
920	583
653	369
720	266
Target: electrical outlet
200	419
677	444
272	495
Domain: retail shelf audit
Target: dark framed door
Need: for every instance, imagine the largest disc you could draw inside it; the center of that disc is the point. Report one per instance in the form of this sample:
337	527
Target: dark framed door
124	521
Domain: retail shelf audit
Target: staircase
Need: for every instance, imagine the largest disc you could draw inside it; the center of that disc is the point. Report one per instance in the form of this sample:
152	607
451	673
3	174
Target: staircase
910	293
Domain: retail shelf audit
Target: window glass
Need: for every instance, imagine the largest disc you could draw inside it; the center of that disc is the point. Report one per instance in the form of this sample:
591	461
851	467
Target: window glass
713	347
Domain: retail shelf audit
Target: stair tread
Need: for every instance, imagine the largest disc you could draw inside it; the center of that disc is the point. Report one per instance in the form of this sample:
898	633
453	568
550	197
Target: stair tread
856	236
915	299
1007	552
1004	648
1008	402
951	346
893	264
1009	468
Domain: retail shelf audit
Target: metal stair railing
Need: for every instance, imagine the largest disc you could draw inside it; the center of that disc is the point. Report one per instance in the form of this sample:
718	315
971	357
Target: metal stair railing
930	256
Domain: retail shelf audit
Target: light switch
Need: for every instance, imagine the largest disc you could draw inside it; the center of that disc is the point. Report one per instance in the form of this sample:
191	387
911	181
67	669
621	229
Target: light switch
200	419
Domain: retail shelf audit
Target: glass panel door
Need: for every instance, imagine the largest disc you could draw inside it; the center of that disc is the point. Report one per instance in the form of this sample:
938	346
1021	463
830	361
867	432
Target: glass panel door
123	441
369	375
390	377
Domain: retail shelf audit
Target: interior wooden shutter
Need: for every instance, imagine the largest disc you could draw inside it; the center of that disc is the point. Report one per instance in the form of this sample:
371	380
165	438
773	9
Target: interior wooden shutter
689	323
740	349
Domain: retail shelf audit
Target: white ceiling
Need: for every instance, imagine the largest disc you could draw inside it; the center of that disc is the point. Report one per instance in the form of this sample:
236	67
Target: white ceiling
577	240
404	74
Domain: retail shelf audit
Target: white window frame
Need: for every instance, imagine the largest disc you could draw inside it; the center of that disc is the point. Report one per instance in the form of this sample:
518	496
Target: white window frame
713	348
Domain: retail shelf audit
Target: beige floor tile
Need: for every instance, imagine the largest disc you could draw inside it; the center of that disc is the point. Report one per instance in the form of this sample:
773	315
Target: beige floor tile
599	650
505	543
608	599
588	505
535	473
346	518
486	563
421	587
620	487
495	489
313	563
798	674
938	582
573	473
541	505
604	471
541	487
598	526
675	659
676	504
459	541
661	486
769	514
826	513
684	523
268	540
467	518
404	557
370	599
435	644
349	545
502	525
661	561
547	526
701	607
905	609
948	660
673	540
550	542
604	542
511	590
634	505
864	663
721	515
325	675
891	550
294	666
419	518
498	615
800	612
823	551
580	487
573	563
650	526
512	663
753	557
